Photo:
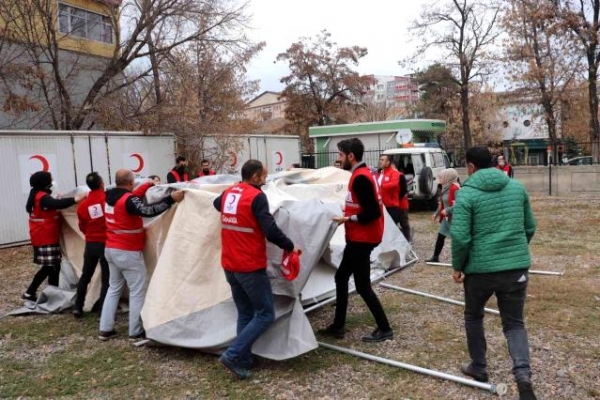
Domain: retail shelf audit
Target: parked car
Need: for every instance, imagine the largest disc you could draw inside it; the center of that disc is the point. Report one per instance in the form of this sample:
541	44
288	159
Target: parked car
422	167
582	160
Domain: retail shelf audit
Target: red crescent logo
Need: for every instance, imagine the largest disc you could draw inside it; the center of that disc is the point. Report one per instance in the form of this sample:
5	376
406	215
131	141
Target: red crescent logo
140	162
234	159
278	154
43	160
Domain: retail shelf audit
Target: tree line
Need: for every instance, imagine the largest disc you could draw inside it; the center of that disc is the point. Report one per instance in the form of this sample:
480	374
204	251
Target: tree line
180	66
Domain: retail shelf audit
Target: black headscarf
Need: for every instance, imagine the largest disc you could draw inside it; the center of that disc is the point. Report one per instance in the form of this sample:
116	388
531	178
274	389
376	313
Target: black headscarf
39	181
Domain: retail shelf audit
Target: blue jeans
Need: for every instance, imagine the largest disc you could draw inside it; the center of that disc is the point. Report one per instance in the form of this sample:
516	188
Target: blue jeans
510	288
253	300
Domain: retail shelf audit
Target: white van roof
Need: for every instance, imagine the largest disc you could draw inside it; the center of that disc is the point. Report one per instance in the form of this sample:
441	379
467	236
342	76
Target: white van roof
414	150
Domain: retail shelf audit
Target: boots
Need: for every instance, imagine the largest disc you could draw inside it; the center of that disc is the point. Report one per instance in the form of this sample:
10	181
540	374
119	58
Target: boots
439	245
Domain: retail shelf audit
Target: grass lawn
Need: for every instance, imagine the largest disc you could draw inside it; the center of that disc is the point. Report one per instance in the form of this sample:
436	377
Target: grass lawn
58	356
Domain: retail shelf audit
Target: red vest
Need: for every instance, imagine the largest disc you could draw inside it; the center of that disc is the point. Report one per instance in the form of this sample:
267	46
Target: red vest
244	247
210	172
124	231
355	231
44	225
90	213
178	177
390	187
505	169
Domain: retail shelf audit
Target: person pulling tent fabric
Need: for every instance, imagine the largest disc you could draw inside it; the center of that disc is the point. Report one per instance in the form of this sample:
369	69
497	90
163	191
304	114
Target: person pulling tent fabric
450	185
44	230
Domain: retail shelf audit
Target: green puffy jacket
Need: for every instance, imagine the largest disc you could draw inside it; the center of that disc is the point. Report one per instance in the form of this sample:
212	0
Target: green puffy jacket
492	224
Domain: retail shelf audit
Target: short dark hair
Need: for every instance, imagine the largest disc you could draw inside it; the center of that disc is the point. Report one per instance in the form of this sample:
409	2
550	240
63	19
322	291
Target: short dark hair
480	157
179	159
153	177
354	146
93	180
204	161
250	168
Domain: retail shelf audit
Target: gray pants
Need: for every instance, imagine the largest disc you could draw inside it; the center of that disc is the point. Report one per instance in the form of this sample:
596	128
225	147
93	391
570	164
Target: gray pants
125	267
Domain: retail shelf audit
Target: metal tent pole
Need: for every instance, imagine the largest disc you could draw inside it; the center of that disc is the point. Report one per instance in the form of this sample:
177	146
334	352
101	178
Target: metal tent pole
500	389
531	271
431	296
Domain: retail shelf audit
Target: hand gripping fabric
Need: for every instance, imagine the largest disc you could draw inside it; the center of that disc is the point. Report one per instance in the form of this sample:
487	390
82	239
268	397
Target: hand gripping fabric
290	264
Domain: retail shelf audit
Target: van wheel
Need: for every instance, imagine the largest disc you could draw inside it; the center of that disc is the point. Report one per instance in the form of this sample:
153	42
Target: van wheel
426	181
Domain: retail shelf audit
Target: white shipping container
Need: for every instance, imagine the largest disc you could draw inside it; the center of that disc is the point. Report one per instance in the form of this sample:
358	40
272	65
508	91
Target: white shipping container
228	153
69	157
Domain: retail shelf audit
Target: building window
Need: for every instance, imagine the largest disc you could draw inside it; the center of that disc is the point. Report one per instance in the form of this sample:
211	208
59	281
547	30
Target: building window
84	24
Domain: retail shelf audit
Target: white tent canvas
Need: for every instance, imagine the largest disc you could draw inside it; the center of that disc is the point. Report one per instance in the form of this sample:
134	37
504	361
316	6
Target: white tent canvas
189	304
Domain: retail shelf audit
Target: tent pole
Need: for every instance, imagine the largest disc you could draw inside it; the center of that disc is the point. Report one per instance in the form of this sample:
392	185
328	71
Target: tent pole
431	296
531	271
500	389
386	274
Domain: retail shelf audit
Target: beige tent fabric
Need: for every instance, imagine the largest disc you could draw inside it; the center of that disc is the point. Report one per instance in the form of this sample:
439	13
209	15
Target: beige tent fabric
188	277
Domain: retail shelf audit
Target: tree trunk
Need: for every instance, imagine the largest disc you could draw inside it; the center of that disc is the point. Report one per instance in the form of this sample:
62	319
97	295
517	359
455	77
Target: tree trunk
593	103
464	105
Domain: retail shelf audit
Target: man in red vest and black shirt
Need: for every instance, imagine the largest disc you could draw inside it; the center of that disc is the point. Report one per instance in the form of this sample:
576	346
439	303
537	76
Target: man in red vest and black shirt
205	171
394	194
246	221
125	239
90	214
44	230
179	171
363	219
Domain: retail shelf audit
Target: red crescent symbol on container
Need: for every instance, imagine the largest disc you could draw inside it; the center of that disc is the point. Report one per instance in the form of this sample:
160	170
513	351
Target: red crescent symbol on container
234	159
278	154
140	162
43	160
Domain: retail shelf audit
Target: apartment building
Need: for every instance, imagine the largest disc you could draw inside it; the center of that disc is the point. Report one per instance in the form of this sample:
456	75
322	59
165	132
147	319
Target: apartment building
38	38
267	110
394	91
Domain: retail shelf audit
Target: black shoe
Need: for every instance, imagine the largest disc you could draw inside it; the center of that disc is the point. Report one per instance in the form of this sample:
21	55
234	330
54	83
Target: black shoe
433	259
526	391
29	297
139	336
333	331
104	336
379	335
468	370
240	372
77	313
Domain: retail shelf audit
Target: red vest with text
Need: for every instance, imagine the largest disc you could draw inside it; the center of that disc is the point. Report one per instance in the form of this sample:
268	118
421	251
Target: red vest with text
178	177
244	247
390	187
90	214
355	231
124	231
44	225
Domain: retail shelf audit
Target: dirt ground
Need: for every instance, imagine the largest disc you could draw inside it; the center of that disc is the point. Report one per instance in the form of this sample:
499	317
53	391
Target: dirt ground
57	356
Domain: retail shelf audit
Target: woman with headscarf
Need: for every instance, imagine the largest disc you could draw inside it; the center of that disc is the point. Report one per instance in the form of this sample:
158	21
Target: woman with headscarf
44	230
448	178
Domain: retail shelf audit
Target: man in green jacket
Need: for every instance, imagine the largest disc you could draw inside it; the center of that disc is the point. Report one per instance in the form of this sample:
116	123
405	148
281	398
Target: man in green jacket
492	226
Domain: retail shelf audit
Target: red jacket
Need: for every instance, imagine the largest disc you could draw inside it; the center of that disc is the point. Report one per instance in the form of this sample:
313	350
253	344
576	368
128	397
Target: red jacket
507	169
371	232
244	247
125	231
44	225
90	214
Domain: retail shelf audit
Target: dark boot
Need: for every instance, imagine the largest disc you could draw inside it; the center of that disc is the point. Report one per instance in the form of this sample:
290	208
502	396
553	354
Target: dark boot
439	245
526	391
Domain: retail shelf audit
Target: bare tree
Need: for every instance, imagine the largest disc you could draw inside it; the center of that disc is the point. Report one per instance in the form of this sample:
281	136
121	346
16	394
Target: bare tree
144	30
542	59
463	30
583	18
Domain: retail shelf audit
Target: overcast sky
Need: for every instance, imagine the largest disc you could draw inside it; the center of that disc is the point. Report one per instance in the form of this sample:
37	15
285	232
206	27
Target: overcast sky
379	25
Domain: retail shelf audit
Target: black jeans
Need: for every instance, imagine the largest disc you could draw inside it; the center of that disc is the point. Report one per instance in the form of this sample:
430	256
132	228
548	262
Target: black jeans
94	252
52	272
510	288
356	261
